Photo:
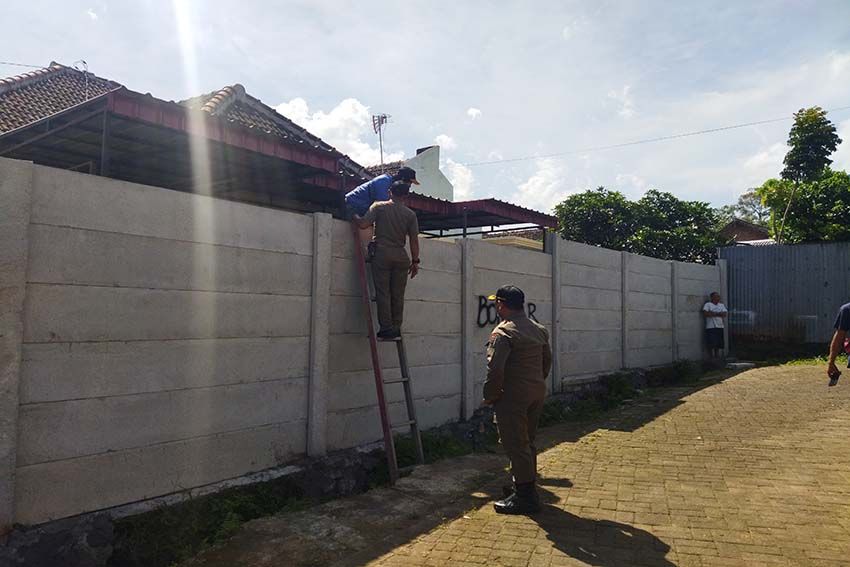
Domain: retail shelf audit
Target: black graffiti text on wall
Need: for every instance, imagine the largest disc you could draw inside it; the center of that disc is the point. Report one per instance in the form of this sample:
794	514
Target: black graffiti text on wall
487	314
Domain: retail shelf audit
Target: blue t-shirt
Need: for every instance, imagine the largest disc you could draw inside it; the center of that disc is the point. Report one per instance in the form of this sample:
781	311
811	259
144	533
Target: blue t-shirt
361	198
842	321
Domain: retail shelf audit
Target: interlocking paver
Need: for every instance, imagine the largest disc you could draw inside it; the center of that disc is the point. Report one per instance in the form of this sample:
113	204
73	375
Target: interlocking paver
754	470
751	471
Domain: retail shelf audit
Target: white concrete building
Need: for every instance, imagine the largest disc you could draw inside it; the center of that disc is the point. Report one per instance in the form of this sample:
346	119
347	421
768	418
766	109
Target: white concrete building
426	163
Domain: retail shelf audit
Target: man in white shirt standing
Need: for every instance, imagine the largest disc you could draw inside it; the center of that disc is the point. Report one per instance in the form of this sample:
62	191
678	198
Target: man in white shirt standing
714	313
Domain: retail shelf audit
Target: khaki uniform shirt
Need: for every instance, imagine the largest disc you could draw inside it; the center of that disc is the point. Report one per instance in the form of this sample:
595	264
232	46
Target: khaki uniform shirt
518	360
393	223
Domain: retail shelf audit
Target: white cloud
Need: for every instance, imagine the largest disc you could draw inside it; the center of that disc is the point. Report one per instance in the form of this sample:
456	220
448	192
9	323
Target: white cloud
92	14
768	162
445	142
495	155
841	157
344	127
461	178
627	106
545	188
570	30
631	185
473	113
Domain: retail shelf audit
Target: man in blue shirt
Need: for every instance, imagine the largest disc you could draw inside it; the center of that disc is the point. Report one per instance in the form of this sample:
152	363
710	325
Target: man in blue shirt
360	199
842	325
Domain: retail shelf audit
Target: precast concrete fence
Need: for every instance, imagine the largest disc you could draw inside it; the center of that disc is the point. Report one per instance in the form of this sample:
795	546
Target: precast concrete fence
153	341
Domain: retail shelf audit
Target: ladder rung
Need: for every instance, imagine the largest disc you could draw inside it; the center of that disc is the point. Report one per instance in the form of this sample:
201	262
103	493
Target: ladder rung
397	380
404	424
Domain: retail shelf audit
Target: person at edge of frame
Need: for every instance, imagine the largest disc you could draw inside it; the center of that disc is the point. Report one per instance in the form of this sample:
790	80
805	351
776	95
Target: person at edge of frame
839	342
394	224
518	360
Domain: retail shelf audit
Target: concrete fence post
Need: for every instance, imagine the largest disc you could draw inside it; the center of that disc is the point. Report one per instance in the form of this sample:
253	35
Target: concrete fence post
624	266
674	307
554	249
16	181
723	275
467	331
317	410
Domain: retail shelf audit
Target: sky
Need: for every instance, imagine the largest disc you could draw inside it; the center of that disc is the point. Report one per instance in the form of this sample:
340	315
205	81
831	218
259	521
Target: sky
489	81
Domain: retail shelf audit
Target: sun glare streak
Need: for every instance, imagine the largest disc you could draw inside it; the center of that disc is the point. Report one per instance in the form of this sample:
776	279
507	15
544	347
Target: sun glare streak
204	310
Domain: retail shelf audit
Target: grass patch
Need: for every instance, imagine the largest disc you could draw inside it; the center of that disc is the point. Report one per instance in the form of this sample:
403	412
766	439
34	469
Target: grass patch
175	533
841	361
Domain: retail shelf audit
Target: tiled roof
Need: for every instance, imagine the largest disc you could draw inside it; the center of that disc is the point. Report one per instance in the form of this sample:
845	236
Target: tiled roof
532	234
391	168
30	97
234	104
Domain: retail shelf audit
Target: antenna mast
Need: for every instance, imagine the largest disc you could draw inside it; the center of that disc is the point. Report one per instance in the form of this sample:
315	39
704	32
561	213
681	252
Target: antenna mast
379	122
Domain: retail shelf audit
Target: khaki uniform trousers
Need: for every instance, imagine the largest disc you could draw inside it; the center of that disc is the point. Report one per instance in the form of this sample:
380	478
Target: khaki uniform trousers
389	271
517	423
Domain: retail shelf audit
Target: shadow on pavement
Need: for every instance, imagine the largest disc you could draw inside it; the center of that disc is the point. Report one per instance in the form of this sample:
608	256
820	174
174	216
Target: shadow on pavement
602	543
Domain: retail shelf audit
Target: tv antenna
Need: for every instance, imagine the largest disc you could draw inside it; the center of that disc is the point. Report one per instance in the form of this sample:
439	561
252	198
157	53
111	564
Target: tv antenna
83	67
379	122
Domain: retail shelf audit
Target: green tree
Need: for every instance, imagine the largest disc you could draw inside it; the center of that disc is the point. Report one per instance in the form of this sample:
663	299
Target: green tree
658	224
819	211
672	229
749	208
812	140
597	216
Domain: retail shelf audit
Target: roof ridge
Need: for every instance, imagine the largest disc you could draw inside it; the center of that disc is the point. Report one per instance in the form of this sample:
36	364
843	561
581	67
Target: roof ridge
221	99
24	79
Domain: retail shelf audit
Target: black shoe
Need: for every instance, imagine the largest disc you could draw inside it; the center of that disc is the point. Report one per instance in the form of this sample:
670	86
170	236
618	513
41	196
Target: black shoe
389	335
523	501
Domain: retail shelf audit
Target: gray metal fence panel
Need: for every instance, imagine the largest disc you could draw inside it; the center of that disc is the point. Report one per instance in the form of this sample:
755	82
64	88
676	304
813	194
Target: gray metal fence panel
789	292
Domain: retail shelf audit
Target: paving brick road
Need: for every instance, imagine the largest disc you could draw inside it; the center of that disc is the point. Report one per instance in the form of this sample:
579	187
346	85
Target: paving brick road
751	471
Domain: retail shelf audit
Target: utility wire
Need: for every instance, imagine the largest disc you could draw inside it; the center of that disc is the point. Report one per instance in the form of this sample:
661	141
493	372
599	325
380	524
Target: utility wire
644	141
21	65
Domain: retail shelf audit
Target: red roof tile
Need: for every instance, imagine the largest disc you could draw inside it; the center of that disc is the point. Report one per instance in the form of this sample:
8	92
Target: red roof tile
233	103
33	96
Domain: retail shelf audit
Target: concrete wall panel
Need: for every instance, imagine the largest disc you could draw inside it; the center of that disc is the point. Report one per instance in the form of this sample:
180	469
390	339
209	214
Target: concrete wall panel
649	266
591	341
351	352
118	477
75	428
586	276
587	255
350	390
355	427
66	371
589	320
509	259
591	363
67	198
640	301
650	320
650	283
85	313
74	256
590	298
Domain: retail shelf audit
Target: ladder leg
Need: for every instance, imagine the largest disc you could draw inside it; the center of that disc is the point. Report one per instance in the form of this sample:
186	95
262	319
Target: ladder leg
389	444
408	398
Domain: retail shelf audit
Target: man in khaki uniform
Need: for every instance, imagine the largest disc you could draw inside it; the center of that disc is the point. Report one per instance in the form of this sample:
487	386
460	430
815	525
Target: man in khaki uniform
518	360
394	225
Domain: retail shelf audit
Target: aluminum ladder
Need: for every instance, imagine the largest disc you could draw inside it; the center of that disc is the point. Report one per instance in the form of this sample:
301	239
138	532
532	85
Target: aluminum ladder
366	288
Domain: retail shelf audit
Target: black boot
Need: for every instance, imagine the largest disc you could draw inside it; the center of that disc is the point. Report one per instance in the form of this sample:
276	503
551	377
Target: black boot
523	501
